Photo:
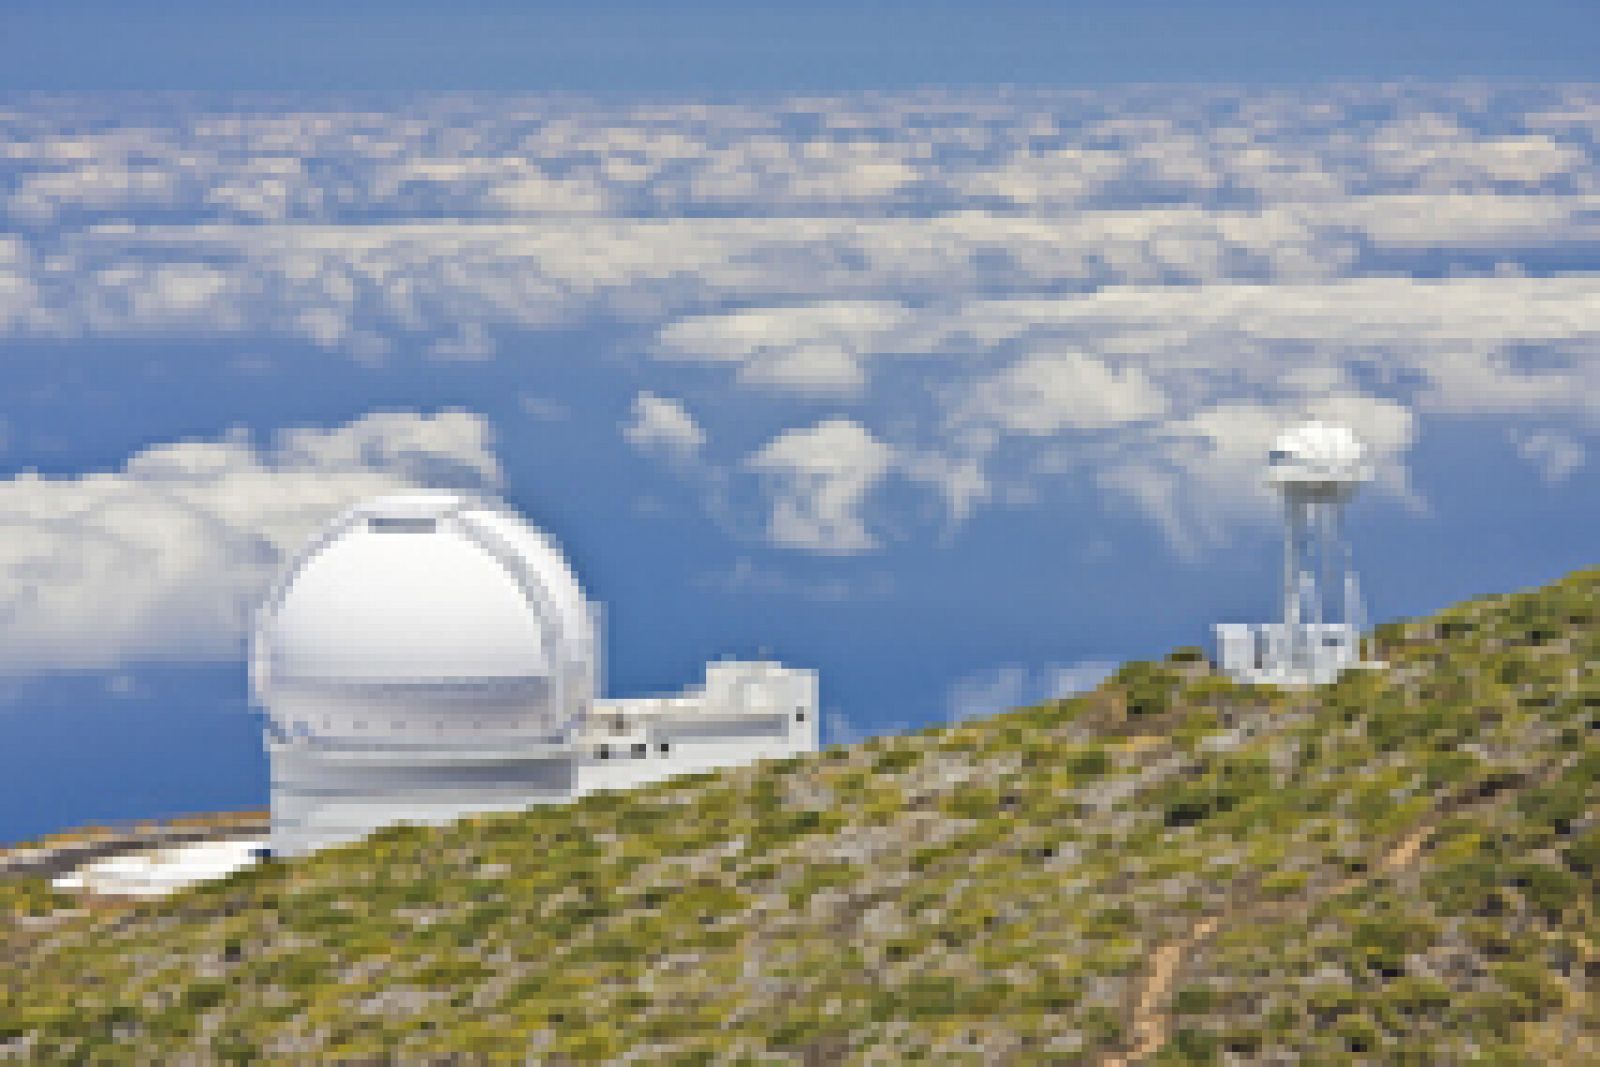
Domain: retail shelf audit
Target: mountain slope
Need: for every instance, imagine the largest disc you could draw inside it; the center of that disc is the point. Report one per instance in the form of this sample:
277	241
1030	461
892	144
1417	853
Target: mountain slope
1398	868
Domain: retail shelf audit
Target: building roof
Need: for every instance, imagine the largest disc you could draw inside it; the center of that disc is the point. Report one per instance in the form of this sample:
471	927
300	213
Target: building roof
440	592
1318	452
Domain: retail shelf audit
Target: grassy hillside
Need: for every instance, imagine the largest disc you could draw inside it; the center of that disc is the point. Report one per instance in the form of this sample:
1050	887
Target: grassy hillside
1400	868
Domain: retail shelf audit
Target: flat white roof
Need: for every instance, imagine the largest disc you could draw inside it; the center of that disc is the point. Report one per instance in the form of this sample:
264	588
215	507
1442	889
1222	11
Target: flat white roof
156	872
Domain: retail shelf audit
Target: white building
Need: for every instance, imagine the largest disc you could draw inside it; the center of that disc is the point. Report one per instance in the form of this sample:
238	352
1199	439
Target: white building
432	656
1316	469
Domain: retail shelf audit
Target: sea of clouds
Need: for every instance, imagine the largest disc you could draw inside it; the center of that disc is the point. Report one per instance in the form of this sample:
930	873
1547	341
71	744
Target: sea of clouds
962	296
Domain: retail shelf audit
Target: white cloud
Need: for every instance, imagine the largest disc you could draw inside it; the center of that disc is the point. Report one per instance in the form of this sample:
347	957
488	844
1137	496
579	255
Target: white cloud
1555	455
1418	221
1047	394
1170	395
1344	319
820	477
1057	178
1436	152
808	350
663	426
538	195
1013	685
1198	476
820	480
776	172
168	557
987	692
819	299
1116	285
1478	380
1074	678
42	195
962	482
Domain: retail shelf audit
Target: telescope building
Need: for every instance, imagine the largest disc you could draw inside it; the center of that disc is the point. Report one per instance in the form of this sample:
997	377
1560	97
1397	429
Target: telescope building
432	656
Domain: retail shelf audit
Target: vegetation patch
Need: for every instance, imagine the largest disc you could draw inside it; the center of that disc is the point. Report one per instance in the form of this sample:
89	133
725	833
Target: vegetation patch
1398	868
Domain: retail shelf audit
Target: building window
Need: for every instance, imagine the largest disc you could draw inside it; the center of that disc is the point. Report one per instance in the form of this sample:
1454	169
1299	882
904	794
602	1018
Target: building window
640	749
799	716
665	748
604	752
400	524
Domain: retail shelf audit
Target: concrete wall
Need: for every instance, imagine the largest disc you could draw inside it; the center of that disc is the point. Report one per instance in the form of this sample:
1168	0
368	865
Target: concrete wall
325	793
323	796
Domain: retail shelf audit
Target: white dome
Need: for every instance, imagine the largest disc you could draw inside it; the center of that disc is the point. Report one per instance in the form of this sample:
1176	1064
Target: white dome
424	618
1321	441
1319	452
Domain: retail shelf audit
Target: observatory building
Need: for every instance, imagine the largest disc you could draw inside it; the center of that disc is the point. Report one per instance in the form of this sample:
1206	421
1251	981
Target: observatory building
1316	468
432	656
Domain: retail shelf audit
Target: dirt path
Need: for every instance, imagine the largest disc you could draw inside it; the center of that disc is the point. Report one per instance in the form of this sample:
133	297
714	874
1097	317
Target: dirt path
1150	1018
1404	853
1151	1022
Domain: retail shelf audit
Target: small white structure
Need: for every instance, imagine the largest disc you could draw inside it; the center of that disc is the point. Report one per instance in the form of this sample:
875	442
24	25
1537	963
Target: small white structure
432	656
1316	468
155	872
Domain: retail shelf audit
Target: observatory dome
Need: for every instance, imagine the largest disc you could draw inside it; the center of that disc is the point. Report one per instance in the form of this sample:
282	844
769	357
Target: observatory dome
426	618
1318	452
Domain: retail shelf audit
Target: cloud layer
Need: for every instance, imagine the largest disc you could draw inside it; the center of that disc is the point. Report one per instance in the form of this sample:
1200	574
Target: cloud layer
168	557
972	293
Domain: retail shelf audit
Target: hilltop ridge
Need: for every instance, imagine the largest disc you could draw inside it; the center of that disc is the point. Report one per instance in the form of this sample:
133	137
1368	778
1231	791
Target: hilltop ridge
1400	867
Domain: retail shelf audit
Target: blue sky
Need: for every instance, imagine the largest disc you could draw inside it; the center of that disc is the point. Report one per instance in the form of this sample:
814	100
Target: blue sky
934	351
718	48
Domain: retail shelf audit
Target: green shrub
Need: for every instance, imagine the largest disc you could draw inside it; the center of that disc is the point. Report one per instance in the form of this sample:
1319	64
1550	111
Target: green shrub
1148	688
896	759
1193	1000
1583	854
1087	761
1358	1034
1284	883
1532	990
